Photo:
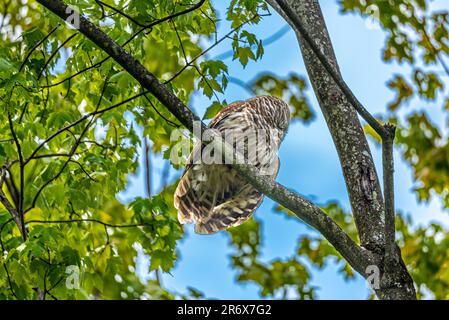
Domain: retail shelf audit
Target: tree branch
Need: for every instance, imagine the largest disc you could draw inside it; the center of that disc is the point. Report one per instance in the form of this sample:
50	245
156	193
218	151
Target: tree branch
349	138
376	125
110	225
84	118
36	46
13	211
19	211
388	172
53	54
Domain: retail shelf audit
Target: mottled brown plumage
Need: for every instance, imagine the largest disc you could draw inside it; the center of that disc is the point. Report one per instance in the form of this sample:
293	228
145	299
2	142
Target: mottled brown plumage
214	196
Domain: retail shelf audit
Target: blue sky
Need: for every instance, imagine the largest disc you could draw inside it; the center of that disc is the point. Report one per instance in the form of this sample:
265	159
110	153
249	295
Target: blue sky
309	160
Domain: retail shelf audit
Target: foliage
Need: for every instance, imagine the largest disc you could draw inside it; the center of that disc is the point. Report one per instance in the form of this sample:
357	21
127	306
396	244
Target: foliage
417	37
69	133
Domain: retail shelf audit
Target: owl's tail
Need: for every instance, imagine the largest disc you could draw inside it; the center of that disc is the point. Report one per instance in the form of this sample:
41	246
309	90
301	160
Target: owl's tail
213	208
231	213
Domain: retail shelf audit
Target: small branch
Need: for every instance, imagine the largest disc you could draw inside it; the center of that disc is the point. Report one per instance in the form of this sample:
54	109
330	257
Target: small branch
96	65
376	125
9	281
177	14
190	63
21	225
36	46
23	112
147	160
173	124
110	225
120	12
51	155
84	118
388	176
47	96
84	170
53	54
11	185
13	211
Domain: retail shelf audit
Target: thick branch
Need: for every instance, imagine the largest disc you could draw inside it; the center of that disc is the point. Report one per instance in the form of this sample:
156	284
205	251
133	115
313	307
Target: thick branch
307	211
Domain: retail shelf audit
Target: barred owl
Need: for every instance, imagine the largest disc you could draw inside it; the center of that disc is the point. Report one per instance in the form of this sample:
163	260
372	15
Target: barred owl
213	195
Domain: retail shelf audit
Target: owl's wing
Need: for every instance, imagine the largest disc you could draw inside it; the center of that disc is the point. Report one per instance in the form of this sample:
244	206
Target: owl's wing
185	197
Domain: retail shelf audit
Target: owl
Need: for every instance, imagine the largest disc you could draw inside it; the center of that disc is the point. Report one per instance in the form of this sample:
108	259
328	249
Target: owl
211	194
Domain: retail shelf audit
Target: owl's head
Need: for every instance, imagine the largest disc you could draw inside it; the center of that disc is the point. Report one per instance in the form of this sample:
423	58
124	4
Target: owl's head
277	114
282	115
